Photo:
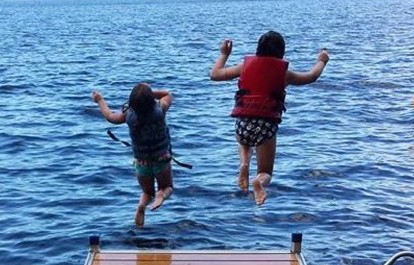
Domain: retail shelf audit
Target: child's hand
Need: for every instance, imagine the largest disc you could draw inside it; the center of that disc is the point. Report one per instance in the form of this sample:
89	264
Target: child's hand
96	96
323	55
226	47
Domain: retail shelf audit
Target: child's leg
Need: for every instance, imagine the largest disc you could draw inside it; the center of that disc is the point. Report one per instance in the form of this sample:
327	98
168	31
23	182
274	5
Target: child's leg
165	186
160	197
260	183
245	153
265	161
147	186
140	213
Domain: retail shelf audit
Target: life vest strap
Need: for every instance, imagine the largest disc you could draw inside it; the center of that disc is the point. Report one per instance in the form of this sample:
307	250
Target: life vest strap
113	137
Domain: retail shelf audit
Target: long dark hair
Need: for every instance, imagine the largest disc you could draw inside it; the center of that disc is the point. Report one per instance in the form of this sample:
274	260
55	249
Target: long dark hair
141	99
271	44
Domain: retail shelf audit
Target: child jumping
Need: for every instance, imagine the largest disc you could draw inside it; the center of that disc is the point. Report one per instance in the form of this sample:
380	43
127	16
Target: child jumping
260	102
145	117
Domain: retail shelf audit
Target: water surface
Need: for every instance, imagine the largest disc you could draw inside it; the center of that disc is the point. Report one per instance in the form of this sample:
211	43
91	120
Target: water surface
345	153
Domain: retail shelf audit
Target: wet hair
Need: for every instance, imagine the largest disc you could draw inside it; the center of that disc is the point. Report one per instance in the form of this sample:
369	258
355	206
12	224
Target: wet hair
141	99
271	44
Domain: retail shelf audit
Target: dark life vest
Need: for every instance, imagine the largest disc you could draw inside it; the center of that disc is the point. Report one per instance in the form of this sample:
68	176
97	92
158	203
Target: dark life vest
261	92
149	135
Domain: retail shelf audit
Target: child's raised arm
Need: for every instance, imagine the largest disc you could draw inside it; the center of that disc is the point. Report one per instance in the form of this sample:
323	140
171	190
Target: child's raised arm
165	98
112	117
219	72
303	78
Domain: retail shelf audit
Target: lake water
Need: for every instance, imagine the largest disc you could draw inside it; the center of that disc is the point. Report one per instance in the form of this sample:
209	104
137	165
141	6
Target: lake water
345	156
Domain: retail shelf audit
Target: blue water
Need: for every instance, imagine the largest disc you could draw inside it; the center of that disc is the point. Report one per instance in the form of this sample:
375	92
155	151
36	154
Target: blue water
345	156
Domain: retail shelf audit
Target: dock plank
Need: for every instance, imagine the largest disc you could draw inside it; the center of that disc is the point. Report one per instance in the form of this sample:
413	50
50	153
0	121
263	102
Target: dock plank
131	262
196	256
96	256
195	259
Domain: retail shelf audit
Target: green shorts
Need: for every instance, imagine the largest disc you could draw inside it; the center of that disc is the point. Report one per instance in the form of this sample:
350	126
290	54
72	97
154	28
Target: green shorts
151	167
150	170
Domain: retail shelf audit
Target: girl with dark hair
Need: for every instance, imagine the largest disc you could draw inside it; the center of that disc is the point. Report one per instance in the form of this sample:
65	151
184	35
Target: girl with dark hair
145	116
260	102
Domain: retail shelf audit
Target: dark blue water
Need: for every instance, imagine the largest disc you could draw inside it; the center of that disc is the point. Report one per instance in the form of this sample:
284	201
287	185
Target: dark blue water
345	155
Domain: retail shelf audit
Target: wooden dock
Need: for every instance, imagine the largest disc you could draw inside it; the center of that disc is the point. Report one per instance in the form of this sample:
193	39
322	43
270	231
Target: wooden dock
97	256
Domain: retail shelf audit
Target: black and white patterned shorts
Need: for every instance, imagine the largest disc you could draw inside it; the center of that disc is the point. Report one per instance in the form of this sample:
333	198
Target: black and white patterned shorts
254	131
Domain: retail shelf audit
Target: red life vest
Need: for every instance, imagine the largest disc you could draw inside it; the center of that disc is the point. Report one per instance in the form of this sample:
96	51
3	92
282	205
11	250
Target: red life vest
261	91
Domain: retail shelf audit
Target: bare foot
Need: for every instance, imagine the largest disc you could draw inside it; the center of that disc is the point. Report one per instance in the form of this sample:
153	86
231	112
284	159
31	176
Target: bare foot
259	192
244	177
140	216
160	197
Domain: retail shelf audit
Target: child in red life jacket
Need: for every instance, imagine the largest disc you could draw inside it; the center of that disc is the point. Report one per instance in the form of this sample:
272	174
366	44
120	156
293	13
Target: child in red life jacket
148	130
259	102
